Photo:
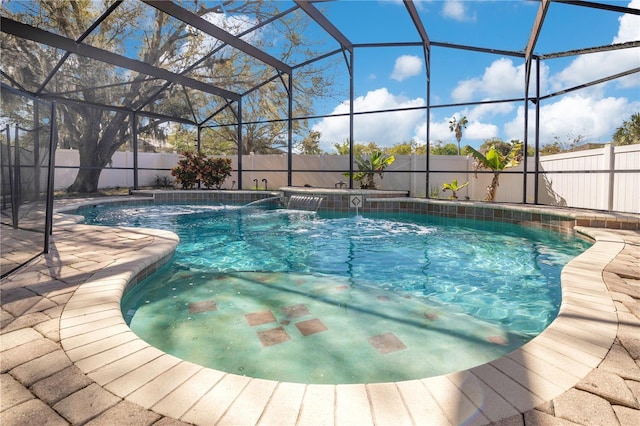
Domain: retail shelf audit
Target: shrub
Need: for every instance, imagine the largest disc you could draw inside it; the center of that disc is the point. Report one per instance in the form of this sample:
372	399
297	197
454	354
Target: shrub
214	172
163	181
187	170
369	167
211	172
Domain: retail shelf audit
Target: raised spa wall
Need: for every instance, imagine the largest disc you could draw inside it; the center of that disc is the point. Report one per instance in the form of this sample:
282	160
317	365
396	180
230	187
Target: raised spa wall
558	219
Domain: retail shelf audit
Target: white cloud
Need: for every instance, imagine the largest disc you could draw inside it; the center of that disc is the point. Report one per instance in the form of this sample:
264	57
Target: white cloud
589	113
485	111
480	131
439	131
629	29
595	119
457	10
385	129
501	79
235	24
406	66
587	68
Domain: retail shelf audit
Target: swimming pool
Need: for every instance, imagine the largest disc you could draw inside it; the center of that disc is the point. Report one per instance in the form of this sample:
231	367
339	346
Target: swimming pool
342	298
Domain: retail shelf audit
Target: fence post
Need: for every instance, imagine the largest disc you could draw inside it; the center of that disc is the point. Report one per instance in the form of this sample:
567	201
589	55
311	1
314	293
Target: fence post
17	181
610	164
412	180
53	143
134	135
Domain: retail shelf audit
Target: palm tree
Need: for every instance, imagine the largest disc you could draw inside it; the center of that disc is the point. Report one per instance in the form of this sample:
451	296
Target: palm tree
457	127
629	132
497	162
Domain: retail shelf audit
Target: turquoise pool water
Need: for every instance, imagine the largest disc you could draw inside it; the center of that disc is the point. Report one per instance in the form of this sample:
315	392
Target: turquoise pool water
338	298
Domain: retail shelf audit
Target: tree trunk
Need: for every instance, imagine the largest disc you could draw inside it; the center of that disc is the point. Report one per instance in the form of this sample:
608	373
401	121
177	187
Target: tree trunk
493	188
86	181
96	147
371	184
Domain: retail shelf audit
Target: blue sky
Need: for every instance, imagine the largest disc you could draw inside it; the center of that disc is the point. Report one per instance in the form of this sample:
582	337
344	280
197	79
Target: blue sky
395	77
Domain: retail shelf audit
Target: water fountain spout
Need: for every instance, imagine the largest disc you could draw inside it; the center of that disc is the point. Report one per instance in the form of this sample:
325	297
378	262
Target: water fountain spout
256	182
265	184
277	200
305	202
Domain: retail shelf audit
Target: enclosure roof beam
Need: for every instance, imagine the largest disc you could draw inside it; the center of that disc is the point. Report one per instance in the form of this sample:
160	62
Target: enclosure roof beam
207	27
537	27
533	39
327	25
411	8
592	83
28	32
601	6
155	115
479	49
595	49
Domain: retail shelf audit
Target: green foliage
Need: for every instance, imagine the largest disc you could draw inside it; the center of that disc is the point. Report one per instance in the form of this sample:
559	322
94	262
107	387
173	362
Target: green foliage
149	36
358	148
214	171
420	149
405	148
446	149
504	148
454	188
629	132
163	182
194	167
310	144
368	167
494	160
186	172
551	148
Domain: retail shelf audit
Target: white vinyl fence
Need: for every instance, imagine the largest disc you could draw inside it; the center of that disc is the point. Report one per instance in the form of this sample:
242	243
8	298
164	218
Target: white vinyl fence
608	179
583	179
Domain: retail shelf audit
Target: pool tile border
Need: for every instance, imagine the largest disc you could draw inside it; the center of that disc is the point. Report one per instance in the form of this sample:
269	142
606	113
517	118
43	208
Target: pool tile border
96	339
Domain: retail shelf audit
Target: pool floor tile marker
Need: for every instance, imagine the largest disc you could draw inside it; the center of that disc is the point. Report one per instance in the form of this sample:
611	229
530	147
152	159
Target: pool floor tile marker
199	307
259	318
387	343
295	311
273	336
311	326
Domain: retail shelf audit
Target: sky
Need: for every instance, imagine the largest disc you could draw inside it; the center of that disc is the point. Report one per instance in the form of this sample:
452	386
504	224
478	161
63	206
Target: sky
395	77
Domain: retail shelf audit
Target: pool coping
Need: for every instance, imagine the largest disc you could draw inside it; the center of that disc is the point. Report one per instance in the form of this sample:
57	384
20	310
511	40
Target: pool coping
95	337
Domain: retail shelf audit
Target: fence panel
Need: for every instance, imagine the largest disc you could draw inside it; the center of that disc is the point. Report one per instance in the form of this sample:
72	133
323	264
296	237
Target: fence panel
603	179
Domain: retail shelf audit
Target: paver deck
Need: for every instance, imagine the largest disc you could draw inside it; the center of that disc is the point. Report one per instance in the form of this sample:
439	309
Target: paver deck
67	356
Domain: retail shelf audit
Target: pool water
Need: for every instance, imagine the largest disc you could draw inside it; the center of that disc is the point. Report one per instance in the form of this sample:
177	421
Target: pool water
341	298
